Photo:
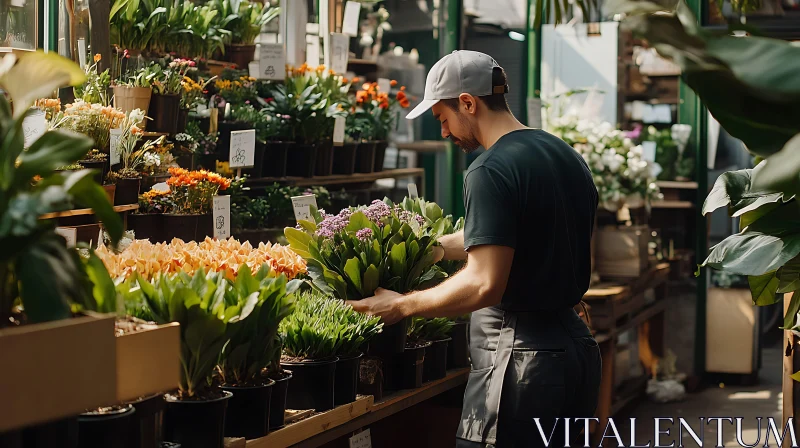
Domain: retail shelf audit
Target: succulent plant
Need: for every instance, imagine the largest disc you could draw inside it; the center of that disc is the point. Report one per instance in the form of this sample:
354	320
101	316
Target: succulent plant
422	329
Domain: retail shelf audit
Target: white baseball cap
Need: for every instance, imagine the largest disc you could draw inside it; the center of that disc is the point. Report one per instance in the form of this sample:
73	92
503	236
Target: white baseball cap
459	72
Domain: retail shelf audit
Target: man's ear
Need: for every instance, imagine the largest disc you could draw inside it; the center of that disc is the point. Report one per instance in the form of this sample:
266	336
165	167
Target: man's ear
467	103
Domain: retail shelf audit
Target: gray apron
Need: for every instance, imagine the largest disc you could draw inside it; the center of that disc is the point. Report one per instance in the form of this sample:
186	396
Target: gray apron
537	345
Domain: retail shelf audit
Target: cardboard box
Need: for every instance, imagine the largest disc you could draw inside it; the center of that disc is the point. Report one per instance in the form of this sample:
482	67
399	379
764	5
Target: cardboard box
621	252
56	369
148	362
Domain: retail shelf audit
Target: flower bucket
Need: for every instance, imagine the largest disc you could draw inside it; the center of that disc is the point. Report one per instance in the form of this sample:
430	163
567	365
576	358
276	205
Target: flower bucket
183	227
435	366
344	158
240	54
274	164
301	161
458	347
347	370
312	384
127	191
365	157
128	99
248	410
147	226
324	159
164	113
196	423
380	155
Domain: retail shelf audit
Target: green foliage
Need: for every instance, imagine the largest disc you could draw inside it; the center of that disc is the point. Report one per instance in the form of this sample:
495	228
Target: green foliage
32	251
322	327
443	225
437	329
244	19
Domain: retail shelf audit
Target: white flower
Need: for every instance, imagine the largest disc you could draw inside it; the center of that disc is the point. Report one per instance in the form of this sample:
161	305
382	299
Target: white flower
151	159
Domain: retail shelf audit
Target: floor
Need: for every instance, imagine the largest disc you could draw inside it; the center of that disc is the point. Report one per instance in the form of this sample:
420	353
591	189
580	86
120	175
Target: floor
725	400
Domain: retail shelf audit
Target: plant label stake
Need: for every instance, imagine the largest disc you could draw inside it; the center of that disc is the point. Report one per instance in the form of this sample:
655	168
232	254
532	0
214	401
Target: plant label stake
222	217
70	234
338	131
384	85
351	13
114	146
412	191
272	62
361	440
338	51
82	52
243	150
302	206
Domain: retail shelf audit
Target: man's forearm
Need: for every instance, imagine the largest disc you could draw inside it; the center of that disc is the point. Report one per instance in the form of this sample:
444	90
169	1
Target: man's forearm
463	293
453	246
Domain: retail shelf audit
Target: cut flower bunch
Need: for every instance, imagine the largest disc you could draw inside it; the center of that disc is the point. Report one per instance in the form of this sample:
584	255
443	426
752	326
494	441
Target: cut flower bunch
192	192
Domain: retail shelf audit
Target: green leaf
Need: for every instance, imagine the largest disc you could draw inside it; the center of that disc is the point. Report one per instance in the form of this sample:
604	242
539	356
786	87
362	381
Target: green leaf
397	260
789	276
791	312
734	189
357	222
371	281
48	258
353	270
105	294
37	75
763	288
50	151
298	241
88	193
781	171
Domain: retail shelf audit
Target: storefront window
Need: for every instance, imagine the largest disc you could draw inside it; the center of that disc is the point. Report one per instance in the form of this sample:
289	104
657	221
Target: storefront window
18	24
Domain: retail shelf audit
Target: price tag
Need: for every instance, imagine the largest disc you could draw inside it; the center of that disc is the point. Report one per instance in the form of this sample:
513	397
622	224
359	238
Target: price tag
649	151
361	440
243	148
535	113
312	51
339	48
33	126
82	52
70	234
412	191
352	11
272	62
222	217
302	206
114	146
384	85
338	131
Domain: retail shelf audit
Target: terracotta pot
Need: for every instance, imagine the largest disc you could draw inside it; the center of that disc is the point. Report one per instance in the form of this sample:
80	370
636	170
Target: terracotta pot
111	191
128	99
240	54
164	113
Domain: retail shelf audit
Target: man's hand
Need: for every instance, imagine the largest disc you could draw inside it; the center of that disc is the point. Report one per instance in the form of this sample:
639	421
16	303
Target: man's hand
384	304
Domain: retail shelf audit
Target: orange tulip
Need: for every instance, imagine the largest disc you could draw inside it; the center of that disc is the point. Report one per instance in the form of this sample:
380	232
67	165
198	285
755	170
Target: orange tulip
393	83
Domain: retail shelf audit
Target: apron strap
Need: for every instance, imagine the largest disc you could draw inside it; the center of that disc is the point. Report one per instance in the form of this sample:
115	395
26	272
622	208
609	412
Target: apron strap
494	390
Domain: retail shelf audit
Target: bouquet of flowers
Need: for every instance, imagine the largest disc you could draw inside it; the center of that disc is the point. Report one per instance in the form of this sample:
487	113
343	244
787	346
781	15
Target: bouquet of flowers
241	90
353	253
50	106
622	176
192	192
91	119
378	111
193	92
154	201
169	81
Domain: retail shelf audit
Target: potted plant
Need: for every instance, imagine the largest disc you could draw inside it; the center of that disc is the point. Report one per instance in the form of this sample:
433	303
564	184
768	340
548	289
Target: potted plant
310	341
245	24
233	91
156	162
204	147
250	349
247	117
166	99
128	178
132	88
382	108
359	329
248	215
436	331
458	349
191	198
95	89
147	222
195	415
279	198
107	426
333	90
280	391
193	94
90	119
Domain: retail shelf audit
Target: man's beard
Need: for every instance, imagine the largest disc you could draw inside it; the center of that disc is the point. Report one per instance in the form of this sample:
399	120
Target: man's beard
468	145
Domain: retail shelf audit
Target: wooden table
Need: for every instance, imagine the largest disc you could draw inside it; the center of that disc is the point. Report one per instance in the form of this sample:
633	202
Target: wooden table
649	322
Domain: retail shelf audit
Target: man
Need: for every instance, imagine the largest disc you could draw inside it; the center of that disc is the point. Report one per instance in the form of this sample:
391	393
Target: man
530	203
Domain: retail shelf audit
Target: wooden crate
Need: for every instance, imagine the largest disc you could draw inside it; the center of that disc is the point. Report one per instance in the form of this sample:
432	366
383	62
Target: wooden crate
56	369
148	362
621	252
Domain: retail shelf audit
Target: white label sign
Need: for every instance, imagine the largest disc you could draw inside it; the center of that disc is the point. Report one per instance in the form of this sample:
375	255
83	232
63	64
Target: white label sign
33	126
114	146
302	206
70	234
243	148
535	113
272	62
339	48
412	191
384	85
82	52
338	131
649	151
352	11
222	217
361	440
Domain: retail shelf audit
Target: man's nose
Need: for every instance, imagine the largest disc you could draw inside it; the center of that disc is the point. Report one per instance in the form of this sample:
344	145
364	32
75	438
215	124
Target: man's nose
445	132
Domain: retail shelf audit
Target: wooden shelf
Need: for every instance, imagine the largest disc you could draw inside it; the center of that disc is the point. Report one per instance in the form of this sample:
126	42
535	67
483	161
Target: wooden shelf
87	211
361	62
423	146
673	204
677	185
357	178
322	428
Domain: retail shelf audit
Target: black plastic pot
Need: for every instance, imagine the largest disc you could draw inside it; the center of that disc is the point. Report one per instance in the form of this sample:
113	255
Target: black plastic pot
370	377
11	439
248	411
206	161
61	433
114	429
411	366
183	227
183	118
380	154
344	158
365	157
346	382
164	113
147	226
275	159
196	424
147	421
127	191
458	349
258	162
312	384
277	405
301	161
224	129
392	340
100	166
324	159
435	366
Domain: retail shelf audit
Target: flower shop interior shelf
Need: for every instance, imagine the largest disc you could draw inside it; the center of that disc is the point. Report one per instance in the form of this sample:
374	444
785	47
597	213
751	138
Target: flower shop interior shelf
357	178
621	251
148	361
39	380
87	211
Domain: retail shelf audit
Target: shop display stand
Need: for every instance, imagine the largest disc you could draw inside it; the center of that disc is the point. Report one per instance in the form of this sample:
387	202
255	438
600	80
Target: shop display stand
341	179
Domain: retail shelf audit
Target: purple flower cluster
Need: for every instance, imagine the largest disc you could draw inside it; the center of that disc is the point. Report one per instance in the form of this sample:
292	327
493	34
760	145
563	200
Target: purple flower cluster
364	234
377	211
333	224
406	216
420	219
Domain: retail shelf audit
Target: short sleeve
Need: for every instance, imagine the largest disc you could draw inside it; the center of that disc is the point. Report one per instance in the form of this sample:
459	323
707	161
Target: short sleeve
490	210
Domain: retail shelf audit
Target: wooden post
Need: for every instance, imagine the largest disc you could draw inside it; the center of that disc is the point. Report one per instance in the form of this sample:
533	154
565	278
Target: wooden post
100	11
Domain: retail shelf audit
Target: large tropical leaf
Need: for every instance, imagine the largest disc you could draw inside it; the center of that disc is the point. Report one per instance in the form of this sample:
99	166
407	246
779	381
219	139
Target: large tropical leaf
36	75
734	189
781	171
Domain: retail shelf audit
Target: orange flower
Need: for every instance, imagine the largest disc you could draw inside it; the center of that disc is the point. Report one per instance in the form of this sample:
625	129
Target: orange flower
367	86
401	95
320	69
136	131
345	81
404	104
403	89
361	96
97	57
393	82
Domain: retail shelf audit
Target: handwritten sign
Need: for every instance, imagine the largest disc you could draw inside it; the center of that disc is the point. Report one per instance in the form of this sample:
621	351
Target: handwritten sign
302	206
412	191
352	11
272	62
339	48
33	126
222	217
384	85
243	148
70	234
361	440
114	146
338	131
